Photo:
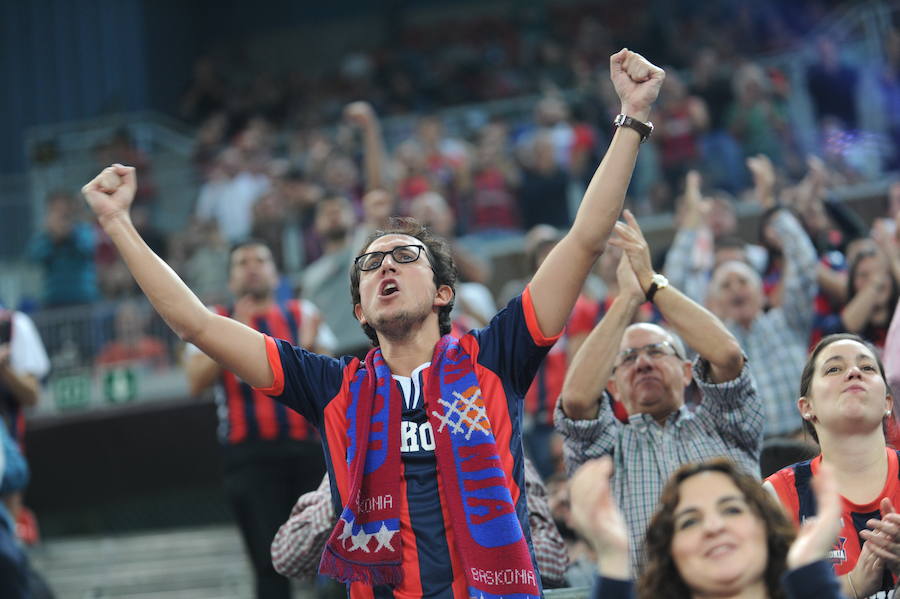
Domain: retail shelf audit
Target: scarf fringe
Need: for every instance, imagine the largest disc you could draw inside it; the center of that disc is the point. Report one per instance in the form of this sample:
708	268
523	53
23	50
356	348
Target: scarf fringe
372	574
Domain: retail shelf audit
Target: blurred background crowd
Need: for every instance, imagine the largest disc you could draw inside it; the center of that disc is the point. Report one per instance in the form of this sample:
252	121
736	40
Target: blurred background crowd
306	130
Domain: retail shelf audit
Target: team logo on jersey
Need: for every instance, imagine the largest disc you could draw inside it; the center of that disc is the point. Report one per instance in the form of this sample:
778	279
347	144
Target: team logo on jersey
838	553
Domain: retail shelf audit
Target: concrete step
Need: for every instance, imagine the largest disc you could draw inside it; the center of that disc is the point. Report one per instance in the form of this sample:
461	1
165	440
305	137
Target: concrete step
195	563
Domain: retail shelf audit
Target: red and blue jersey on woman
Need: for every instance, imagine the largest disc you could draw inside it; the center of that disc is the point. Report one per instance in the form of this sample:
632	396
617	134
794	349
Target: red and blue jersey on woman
245	414
793	485
504	357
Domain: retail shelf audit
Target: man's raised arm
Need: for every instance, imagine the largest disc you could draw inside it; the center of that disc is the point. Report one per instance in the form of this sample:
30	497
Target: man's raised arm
696	325
558	281
232	344
592	366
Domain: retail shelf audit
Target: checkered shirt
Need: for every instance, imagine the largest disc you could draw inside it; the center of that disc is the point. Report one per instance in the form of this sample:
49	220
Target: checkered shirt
776	342
298	545
689	262
728	422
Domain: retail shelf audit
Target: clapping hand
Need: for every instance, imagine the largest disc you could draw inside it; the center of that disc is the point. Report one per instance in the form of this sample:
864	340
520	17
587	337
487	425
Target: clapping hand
817	535
884	538
627	280
695	208
630	240
763	179
598	519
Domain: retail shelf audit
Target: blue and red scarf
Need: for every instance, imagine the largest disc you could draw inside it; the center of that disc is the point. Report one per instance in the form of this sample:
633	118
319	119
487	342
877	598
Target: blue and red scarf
365	544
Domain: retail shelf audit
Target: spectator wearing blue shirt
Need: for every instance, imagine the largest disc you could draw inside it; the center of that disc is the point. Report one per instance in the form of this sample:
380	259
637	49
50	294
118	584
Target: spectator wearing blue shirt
65	249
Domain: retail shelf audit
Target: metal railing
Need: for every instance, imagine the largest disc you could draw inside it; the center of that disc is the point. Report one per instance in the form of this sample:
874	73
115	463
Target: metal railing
63	158
108	353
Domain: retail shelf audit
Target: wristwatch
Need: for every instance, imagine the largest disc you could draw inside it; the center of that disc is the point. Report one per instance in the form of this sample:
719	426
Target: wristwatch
656	283
643	129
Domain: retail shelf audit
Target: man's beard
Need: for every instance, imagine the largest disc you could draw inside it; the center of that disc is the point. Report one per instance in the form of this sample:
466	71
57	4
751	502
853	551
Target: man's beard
399	326
257	293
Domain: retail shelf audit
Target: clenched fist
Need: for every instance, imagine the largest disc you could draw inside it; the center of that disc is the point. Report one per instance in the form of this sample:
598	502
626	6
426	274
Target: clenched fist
637	82
111	192
360	114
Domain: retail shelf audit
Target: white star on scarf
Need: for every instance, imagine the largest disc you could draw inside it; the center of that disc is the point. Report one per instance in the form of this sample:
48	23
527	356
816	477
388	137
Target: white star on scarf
384	536
346	532
360	541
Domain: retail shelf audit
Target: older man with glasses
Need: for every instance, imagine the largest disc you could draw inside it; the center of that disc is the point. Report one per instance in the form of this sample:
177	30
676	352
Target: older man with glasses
644	366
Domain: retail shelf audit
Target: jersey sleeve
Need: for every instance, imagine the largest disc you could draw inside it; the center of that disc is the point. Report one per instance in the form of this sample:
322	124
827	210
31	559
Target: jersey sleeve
512	344
304	381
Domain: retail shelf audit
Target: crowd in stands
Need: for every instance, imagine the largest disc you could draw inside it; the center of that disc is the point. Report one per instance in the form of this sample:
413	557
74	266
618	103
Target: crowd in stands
303	166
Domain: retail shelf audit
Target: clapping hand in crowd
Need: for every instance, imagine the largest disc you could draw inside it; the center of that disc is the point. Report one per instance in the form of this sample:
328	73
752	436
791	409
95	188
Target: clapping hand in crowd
817	535
695	208
598	519
630	240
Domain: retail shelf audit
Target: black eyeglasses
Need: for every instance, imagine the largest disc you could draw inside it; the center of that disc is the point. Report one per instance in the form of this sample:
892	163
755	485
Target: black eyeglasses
402	254
654	351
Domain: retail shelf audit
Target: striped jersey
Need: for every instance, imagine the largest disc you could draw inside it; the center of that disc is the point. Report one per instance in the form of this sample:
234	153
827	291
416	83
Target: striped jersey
245	414
505	355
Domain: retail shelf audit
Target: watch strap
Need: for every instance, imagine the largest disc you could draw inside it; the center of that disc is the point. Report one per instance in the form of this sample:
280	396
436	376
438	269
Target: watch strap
643	129
658	282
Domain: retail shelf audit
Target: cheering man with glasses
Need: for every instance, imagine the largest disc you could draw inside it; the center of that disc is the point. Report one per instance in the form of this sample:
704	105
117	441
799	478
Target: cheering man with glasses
402	254
422	439
644	366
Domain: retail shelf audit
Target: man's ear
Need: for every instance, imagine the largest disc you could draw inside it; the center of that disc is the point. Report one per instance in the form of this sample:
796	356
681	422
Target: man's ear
687	372
357	311
443	295
611	386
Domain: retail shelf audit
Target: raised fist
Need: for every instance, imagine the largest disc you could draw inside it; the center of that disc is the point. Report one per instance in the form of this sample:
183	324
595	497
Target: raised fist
763	173
695	208
360	114
111	192
762	170
637	82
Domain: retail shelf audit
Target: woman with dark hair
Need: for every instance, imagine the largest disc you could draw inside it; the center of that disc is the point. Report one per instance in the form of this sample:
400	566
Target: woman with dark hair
872	293
716	532
844	402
